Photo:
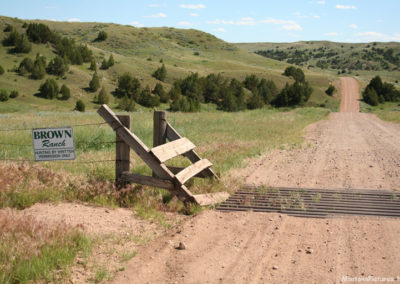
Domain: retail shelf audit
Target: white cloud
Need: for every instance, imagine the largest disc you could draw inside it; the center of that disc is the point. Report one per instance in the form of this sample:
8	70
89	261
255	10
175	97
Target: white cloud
71	20
379	21
192	6
353	26
220	22
156	5
344	7
222	30
332	34
247	21
316	17
375	36
136	24
288	25
194	15
321	2
50	7
184	23
159	15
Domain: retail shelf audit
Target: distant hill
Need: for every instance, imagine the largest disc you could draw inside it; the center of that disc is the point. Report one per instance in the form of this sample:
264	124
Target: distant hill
139	51
375	56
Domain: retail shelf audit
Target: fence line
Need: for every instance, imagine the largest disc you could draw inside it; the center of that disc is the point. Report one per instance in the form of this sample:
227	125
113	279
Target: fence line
31	145
74	125
60	161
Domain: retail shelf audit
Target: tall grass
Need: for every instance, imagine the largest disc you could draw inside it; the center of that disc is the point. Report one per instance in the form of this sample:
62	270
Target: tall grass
33	251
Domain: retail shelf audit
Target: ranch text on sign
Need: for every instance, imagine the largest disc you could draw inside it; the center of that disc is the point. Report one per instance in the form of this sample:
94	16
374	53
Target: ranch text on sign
53	144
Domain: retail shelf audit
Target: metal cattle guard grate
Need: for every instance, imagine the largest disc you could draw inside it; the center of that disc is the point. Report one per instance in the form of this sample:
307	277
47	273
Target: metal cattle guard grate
318	203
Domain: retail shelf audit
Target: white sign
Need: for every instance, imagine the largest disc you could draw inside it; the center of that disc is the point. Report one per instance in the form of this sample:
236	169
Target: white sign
53	144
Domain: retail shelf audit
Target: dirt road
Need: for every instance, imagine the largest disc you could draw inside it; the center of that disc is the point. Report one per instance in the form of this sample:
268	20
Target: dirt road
350	150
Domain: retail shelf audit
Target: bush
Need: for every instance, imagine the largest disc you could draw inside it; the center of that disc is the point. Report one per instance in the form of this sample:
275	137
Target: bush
65	92
370	96
160	73
107	63
11	39
40	33
159	91
22	45
255	101
93	65
101	36
8	28
147	100
292	95
103	97
80	106
128	86
14	94
49	89
57	66
39	67
26	66
296	73
127	104
3	96
1	70
331	89
94	84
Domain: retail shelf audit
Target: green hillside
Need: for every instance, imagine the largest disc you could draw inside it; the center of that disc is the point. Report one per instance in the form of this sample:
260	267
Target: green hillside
138	51
357	59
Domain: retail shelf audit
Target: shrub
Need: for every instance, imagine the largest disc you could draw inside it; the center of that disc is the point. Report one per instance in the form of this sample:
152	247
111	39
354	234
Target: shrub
255	101
159	91
251	82
370	96
331	89
127	104
57	66
40	33
93	65
11	39
22	45
26	66
296	73
103	97
1	70
39	67
14	94
8	28
102	36
94	84
80	106
107	63
49	89
147	100
128	86
3	96
160	73
65	92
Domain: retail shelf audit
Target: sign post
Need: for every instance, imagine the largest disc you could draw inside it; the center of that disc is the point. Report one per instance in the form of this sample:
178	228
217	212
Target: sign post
53	144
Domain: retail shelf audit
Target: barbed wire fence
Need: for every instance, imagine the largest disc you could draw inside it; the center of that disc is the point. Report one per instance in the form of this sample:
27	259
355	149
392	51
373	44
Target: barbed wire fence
14	159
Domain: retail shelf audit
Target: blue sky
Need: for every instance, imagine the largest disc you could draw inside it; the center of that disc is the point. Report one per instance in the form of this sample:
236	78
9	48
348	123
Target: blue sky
233	21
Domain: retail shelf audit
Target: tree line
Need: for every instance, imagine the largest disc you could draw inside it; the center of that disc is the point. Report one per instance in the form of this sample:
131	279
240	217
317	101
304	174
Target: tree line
377	92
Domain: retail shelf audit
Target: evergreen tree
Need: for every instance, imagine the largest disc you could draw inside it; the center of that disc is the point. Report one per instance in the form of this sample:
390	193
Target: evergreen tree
159	91
147	100
39	67
80	106
11	39
22	45
104	64
127	104
370	96
26	66
110	61
57	66
1	70
49	89
94	84
175	92
251	82
40	33
14	94
102	36
128	86
160	73
103	97
255	101
93	65
65	92
8	28
3	96
331	89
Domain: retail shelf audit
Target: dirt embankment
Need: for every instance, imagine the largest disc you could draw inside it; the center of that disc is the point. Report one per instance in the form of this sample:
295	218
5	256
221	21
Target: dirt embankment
350	150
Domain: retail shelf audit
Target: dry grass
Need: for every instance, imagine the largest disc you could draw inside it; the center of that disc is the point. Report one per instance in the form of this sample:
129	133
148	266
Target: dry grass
31	250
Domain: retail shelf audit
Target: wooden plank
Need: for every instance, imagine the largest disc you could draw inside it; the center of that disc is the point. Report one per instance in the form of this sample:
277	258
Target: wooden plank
192	170
159	129
146	180
172	135
211	198
172	149
176	170
122	151
135	143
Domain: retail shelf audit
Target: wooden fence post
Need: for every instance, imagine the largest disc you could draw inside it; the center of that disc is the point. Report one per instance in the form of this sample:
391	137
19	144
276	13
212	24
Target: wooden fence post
159	129
122	157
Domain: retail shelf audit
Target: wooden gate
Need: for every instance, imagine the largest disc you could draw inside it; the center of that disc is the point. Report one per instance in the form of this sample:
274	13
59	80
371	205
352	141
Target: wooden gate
170	178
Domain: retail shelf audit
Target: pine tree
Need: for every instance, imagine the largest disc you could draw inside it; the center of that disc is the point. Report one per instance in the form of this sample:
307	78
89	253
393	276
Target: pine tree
49	89
93	65
101	36
80	106
103	97
94	84
22	45
57	66
65	92
110	61
1	70
39	67
160	73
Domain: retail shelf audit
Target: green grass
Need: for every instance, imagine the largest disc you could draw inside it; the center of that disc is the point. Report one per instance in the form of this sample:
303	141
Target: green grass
389	111
33	252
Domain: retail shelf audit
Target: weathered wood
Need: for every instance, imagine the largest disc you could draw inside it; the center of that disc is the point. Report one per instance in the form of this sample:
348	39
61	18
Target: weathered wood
172	149
146	180
135	143
122	151
211	198
192	170
159	128
176	170
172	135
